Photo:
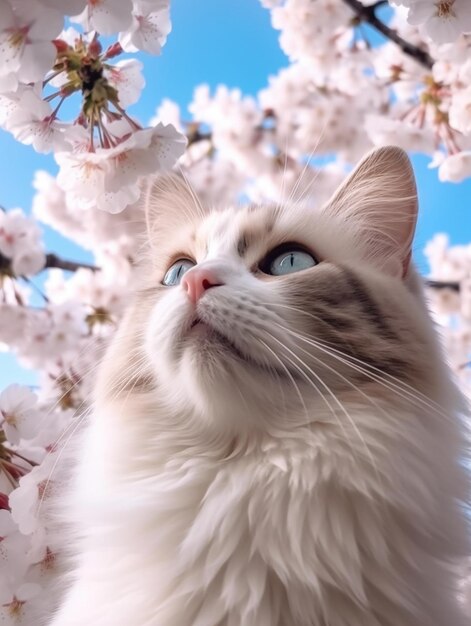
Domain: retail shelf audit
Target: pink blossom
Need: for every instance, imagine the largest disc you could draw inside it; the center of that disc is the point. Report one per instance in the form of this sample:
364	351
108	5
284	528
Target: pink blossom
25	39
18	412
150	27
105	16
126	77
109	178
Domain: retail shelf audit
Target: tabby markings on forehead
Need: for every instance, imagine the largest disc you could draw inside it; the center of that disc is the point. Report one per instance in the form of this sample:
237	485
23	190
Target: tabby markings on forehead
251	234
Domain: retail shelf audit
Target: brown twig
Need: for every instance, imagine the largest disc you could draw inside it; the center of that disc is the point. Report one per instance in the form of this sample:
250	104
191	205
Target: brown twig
52	260
368	14
447	284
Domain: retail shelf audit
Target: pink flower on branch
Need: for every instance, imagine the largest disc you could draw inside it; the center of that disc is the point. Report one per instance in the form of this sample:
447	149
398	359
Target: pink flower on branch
18	413
105	16
26	35
110	178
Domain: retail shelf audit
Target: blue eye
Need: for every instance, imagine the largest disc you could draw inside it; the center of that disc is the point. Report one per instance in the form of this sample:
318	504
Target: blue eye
175	272
288	262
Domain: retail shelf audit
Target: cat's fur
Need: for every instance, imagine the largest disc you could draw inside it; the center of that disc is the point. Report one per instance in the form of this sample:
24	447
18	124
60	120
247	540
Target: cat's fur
312	476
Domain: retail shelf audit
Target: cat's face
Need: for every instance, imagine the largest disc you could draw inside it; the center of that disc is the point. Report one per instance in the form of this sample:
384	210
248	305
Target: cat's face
252	314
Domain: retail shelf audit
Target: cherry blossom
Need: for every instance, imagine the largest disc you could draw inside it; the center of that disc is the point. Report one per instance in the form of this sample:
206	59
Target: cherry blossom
26	34
150	27
20	242
126	77
34	122
69	7
442	20
460	111
15	592
18	412
105	16
109	178
456	167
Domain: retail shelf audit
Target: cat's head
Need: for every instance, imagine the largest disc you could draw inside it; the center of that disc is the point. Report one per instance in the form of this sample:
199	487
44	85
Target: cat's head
263	313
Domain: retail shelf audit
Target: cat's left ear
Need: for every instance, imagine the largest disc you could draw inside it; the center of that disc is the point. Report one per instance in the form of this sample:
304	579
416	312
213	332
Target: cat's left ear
379	201
170	204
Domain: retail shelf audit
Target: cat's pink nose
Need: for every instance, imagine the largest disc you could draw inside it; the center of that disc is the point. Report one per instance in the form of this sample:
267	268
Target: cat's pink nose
197	281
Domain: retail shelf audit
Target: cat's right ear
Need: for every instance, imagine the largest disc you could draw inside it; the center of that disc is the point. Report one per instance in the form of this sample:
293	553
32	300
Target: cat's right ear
170	204
379	202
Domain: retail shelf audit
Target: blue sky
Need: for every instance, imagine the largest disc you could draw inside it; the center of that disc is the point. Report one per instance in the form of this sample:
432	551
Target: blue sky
218	41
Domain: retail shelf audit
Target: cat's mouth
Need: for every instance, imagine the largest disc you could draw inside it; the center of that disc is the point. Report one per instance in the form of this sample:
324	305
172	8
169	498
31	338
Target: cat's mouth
206	335
201	329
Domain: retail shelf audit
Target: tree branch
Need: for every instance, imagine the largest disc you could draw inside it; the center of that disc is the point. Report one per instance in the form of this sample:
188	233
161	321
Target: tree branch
438	284
52	260
368	15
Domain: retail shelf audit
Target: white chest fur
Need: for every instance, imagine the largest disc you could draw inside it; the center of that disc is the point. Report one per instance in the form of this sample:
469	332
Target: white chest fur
305	531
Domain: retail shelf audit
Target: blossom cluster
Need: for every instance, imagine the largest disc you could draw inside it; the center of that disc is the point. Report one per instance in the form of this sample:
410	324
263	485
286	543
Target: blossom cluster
340	95
451	267
441	20
21	249
103	151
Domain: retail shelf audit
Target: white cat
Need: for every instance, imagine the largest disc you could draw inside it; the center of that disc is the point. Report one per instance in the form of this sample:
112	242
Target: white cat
275	439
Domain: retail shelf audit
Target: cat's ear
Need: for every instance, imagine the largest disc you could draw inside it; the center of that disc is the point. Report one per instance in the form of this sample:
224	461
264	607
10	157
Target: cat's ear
379	200
170	204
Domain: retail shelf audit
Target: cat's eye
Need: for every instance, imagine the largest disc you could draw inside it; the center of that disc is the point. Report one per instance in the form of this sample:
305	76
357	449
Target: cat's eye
175	272
287	259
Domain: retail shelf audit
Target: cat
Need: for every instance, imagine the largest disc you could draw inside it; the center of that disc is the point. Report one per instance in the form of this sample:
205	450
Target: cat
275	438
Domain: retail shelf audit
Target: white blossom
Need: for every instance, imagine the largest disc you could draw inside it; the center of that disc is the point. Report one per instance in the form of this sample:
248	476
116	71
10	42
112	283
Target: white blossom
456	167
109	178
442	20
18	413
33	122
126	76
20	241
150	27
460	111
25	39
105	16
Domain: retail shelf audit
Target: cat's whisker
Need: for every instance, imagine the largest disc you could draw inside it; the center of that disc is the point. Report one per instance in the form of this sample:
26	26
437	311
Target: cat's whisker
367	397
288	373
89	344
299	201
194	195
292	195
73	426
241	395
142	366
56	461
283	178
131	373
78	410
77	416
417	397
392	382
335	399
83	375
